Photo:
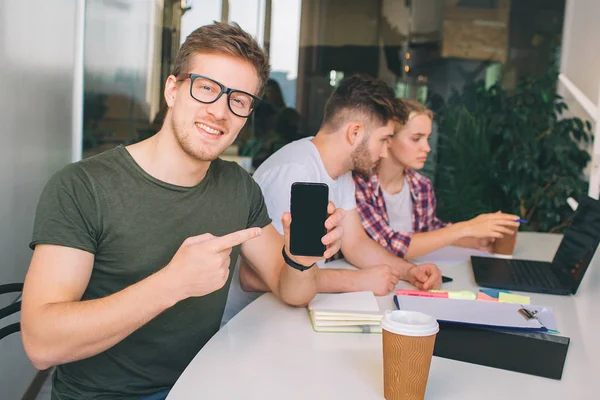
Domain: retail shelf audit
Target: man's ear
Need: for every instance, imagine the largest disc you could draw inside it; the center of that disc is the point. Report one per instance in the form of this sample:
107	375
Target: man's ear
171	90
355	132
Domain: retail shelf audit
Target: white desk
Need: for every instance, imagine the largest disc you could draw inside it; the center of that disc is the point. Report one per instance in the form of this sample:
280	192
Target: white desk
269	350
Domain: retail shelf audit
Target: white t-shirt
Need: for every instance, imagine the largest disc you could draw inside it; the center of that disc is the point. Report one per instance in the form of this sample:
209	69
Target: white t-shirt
298	161
399	208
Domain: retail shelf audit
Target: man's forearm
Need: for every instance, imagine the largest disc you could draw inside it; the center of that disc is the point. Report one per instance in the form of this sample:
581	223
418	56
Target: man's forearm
249	280
328	280
338	281
366	253
297	288
363	253
64	332
293	287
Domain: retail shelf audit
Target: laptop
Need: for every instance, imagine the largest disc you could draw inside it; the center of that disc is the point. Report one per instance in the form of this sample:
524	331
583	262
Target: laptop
561	276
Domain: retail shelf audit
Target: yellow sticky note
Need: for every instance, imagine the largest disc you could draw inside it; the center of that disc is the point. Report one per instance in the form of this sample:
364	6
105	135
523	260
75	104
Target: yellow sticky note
462	295
513	298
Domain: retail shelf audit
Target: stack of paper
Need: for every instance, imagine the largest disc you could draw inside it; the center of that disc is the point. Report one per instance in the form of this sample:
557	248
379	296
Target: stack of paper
501	315
345	312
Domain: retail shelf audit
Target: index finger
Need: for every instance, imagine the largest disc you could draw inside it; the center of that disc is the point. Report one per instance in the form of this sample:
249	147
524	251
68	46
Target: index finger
233	239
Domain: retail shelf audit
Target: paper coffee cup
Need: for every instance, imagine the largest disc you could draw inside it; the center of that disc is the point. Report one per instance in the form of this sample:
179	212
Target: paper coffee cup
506	245
408	340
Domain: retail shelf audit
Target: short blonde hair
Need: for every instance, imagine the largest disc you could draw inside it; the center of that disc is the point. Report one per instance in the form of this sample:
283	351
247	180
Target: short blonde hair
415	108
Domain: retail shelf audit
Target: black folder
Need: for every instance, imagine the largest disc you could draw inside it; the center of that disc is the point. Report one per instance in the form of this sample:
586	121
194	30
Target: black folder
534	353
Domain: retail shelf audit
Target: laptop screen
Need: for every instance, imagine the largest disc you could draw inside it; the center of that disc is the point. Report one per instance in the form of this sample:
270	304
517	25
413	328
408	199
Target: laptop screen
580	241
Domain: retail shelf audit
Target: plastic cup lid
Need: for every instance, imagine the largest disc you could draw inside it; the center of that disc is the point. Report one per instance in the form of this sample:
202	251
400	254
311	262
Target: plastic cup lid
409	323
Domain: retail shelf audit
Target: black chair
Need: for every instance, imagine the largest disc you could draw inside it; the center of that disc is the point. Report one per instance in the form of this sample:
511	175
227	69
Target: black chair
10	309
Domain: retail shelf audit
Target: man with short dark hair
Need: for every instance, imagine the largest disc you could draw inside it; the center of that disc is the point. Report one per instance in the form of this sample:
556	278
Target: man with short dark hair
133	247
359	119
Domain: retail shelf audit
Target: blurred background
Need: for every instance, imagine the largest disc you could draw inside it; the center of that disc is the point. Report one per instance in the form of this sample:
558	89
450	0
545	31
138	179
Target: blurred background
514	84
488	69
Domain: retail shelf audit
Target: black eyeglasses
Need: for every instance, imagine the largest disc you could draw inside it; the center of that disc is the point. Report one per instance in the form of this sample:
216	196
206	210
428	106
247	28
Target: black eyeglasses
207	91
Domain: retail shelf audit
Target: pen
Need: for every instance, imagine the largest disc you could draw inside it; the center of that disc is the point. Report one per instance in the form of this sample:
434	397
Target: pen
522	221
421	293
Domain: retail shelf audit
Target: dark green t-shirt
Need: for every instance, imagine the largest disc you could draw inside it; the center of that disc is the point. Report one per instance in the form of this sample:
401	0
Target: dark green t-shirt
133	224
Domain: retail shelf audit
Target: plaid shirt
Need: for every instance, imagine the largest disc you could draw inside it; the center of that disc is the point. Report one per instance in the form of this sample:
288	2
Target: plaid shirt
374	216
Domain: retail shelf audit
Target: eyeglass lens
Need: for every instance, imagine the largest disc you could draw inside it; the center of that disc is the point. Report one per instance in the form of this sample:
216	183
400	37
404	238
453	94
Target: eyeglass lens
207	90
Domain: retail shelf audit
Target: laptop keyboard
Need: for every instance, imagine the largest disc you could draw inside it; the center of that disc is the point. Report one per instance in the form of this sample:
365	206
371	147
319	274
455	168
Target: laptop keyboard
532	274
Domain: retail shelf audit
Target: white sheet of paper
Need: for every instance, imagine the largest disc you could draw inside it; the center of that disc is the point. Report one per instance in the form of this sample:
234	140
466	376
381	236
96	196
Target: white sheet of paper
471	311
545	315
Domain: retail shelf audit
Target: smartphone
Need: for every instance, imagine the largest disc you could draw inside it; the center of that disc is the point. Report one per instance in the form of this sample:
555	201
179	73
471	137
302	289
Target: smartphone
308	205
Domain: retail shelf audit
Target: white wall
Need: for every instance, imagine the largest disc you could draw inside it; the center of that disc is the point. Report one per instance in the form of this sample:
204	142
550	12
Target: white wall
38	39
580	59
580	73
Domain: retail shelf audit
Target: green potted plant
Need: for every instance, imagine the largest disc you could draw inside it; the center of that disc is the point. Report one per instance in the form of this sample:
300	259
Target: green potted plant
511	151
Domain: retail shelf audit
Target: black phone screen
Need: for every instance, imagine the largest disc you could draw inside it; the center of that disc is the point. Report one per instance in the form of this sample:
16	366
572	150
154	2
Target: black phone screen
308	206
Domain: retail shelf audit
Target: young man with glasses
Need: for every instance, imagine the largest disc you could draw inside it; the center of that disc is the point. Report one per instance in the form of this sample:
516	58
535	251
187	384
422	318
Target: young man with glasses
133	247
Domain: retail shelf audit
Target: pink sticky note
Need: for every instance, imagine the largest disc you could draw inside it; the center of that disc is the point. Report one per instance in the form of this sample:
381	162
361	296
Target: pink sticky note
484	297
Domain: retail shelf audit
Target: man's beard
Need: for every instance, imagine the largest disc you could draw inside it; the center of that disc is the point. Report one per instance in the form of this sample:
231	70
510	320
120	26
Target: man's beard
187	146
361	160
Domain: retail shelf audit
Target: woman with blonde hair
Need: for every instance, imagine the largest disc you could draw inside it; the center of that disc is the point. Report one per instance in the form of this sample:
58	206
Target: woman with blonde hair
397	205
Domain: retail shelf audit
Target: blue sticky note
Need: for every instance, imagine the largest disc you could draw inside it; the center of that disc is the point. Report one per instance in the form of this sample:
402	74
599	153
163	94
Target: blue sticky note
495	293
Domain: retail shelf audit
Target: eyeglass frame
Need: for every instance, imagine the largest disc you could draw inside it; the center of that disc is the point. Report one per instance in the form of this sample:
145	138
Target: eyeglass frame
224	89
